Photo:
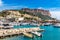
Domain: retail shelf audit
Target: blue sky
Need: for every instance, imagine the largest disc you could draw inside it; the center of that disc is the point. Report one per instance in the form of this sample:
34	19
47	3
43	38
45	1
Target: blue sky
33	3
52	5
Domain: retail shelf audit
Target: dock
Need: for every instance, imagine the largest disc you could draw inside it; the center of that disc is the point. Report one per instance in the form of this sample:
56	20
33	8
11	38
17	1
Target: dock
6	32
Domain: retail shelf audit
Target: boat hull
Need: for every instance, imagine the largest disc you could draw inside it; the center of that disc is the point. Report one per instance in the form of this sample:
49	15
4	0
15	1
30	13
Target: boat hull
57	26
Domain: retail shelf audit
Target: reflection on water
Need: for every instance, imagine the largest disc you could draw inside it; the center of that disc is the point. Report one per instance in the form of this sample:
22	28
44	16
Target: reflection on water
21	38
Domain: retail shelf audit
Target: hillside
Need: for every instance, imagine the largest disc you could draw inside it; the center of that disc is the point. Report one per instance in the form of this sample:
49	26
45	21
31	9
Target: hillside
17	14
26	15
43	17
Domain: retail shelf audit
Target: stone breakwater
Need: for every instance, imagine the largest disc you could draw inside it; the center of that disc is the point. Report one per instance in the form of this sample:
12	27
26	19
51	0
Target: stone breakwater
7	32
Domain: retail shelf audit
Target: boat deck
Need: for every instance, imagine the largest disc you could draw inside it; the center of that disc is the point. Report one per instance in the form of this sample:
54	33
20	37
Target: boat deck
37	33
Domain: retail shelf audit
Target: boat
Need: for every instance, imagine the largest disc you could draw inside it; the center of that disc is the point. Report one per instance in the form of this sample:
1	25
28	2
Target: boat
46	24
14	23
57	25
28	35
37	33
7	26
24	23
1	26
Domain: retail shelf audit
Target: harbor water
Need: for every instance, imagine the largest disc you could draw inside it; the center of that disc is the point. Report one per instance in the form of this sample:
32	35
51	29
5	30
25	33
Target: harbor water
50	33
24	26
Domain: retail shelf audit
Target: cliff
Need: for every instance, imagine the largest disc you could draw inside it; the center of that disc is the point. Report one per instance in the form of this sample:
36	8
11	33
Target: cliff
34	11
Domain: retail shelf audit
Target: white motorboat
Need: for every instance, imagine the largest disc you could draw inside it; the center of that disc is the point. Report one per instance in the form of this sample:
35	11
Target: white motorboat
57	25
35	24
7	26
47	24
24	23
37	33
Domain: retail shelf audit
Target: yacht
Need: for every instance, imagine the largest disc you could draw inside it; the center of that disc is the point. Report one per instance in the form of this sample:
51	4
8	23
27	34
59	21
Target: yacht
37	33
7	26
47	24
35	24
24	23
57	25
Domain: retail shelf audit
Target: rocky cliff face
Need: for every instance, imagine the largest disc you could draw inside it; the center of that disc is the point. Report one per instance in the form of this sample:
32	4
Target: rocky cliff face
44	12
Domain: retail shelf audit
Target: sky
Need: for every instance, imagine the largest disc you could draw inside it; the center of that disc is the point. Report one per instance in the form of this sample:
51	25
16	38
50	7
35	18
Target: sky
52	5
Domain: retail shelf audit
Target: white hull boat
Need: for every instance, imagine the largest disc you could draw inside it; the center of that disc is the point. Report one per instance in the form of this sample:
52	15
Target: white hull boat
57	25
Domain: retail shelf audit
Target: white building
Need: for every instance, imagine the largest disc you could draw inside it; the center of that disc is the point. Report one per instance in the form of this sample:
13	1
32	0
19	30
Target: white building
20	19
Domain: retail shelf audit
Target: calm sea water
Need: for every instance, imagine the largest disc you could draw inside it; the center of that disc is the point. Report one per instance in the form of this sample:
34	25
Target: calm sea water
24	26
50	33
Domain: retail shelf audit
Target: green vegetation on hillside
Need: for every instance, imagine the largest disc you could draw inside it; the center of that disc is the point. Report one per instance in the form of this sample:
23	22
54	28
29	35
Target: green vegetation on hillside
43	17
4	14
